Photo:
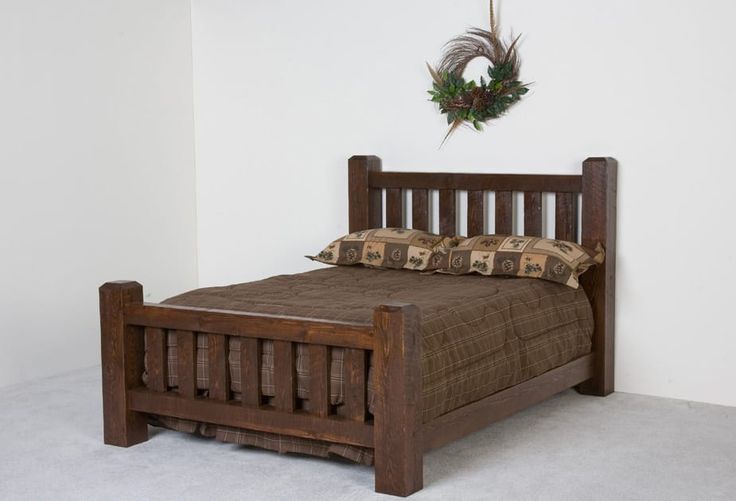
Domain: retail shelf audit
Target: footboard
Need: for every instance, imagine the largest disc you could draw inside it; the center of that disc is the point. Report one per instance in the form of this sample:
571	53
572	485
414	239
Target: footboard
393	431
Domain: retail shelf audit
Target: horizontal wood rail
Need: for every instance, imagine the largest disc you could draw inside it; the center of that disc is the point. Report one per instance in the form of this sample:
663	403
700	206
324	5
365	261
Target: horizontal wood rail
235	323
503	404
297	423
484	182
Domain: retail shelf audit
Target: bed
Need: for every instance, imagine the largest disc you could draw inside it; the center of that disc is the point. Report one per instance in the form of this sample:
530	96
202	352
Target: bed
377	366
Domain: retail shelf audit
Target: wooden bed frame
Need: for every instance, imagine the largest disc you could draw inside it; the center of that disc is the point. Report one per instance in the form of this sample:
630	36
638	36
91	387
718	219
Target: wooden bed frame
395	430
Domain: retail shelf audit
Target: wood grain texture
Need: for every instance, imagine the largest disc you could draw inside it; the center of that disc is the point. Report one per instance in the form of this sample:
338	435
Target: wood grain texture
394	208
504	213
364	201
122	351
270	420
566	217
186	358
284	375
533	213
219	373
250	371
355	378
397	407
475	416
476	212
238	323
481	182
157	367
319	380
599	226
420	210
448	213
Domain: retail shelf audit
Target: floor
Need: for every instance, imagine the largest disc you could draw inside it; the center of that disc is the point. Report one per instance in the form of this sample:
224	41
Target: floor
571	447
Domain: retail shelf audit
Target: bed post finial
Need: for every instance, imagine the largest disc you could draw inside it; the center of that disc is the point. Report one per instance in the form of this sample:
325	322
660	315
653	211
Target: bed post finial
599	226
122	364
365	208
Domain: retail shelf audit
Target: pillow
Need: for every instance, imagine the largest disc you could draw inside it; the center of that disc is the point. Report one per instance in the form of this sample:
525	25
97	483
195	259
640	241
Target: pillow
387	248
519	256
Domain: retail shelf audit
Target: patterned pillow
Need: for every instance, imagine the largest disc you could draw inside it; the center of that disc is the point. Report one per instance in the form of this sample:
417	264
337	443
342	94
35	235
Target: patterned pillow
387	248
519	256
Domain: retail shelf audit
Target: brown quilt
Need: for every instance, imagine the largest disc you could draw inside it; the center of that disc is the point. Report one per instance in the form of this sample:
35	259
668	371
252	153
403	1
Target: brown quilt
479	335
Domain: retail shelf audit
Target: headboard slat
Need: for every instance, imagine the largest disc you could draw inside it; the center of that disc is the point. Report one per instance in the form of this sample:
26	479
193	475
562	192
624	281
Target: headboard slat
476	212
419	210
394	210
533	213
448	217
504	213
566	217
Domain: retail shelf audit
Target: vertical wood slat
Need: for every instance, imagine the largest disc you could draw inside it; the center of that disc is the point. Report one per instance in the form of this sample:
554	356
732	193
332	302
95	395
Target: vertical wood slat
319	379
219	375
250	371
448	219
566	217
157	359
504	213
419	210
355	384
186	355
533	213
394	213
365	207
476	211
284	375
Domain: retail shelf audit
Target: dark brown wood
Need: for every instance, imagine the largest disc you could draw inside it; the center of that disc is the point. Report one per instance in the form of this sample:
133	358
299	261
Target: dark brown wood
364	201
420	210
238	323
219	374
566	217
122	365
475	416
504	213
476	212
394	208
599	226
295	424
397	408
319	379
284	375
533	213
354	364
186	357
157	359
250	371
448	216
481	182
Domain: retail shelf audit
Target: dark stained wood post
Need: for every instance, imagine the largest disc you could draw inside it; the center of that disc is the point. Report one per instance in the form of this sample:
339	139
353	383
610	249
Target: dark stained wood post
599	226
122	364
397	409
365	207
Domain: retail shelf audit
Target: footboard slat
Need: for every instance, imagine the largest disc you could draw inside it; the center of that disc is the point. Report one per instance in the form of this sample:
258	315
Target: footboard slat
186	354
219	375
250	371
284	375
156	359
355	384
319	380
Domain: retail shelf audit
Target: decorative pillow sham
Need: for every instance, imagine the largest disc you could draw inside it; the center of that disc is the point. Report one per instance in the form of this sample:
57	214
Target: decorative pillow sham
387	248
520	256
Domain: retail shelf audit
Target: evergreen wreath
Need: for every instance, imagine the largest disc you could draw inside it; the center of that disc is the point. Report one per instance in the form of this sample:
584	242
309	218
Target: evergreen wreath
468	102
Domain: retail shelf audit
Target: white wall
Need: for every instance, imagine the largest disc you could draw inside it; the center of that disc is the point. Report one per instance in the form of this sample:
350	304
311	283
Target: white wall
96	169
286	91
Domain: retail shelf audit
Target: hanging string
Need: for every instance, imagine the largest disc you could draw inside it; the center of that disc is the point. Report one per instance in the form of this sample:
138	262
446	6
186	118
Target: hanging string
493	19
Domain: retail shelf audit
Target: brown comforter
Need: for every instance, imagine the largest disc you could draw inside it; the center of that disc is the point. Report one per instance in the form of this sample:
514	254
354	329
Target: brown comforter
479	335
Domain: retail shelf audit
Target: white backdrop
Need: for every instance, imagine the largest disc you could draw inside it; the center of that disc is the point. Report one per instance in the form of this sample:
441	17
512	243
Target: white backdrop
96	169
285	92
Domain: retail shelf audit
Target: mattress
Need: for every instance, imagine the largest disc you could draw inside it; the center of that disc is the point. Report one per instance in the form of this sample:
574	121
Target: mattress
479	335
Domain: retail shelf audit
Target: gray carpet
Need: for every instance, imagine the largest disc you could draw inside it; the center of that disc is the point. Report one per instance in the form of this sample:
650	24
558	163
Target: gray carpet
571	447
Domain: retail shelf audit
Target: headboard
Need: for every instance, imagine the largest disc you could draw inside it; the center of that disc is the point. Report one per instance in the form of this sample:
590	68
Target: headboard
595	187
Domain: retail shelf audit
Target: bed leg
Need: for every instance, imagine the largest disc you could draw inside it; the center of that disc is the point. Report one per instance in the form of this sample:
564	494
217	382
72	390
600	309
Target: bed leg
397	409
122	364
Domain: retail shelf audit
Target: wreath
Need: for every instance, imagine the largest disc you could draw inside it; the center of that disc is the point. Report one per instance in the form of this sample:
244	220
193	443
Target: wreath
468	102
